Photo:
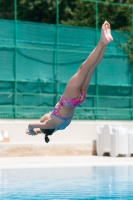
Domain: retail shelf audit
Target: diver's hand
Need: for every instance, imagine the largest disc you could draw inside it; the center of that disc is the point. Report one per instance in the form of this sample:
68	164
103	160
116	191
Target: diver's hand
31	132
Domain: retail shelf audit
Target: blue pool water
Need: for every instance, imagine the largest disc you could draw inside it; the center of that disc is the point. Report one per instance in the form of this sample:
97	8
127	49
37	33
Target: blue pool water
72	183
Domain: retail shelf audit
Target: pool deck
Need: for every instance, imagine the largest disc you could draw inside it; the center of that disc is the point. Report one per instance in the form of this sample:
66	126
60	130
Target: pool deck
62	161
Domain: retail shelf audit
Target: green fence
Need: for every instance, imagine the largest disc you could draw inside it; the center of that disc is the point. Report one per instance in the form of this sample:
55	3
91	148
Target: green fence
37	60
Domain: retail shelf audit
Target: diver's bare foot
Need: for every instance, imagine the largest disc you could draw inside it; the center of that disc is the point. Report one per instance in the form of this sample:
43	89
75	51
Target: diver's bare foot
106	36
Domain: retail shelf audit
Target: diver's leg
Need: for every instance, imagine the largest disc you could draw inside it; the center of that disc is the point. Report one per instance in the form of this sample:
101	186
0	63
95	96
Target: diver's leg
86	83
81	79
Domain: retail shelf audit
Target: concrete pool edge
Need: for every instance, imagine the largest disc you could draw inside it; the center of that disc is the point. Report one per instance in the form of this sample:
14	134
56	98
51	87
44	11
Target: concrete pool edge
62	161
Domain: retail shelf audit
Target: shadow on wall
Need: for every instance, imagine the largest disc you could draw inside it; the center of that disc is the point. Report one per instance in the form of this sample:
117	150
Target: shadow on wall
94	152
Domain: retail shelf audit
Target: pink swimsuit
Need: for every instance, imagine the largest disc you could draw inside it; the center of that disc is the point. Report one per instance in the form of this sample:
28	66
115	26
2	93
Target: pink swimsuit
72	102
67	102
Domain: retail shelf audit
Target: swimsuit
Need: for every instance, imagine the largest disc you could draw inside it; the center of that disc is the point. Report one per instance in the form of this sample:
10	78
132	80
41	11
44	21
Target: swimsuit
72	102
69	103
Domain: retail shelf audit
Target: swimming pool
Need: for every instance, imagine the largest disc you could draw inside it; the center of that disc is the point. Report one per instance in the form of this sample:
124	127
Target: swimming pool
59	183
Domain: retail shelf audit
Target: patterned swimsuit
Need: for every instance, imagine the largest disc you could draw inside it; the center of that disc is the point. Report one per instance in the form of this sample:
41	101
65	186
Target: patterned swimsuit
69	103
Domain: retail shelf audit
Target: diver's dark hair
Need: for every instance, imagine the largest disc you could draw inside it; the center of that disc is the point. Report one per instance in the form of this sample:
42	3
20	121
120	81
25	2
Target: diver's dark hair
47	132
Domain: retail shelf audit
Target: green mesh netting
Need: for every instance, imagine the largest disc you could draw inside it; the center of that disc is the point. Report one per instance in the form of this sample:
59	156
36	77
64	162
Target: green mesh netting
36	64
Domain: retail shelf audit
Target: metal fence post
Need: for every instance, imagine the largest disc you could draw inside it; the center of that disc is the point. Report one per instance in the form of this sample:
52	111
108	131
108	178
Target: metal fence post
57	51
96	71
132	66
15	58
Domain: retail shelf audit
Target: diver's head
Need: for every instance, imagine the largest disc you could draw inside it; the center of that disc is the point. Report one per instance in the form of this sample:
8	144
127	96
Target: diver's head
47	132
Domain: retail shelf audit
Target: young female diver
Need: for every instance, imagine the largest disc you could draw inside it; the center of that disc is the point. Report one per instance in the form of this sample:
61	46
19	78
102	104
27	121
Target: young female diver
75	91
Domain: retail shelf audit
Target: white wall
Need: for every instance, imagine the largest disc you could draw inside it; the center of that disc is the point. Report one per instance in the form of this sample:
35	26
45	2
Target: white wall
77	132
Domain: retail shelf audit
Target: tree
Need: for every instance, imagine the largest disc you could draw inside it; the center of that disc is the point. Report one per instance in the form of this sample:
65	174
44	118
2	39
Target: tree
6	9
128	48
37	11
81	13
71	12
77	13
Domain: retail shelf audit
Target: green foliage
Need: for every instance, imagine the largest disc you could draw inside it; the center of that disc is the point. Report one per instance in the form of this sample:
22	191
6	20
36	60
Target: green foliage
71	12
128	48
37	11
6	9
81	13
77	13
